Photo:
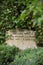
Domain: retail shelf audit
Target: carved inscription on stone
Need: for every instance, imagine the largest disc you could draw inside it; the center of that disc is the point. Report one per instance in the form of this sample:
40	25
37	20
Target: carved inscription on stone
22	39
23	36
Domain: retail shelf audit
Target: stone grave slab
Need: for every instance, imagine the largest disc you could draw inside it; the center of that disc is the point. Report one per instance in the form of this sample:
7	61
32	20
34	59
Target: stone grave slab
22	39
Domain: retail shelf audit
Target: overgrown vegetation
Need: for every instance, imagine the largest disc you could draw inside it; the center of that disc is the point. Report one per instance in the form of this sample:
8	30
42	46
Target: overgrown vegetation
29	57
13	56
21	14
7	54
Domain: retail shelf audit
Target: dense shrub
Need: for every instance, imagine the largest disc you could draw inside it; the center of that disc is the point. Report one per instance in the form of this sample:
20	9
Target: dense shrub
21	14
24	14
7	54
2	36
29	57
39	34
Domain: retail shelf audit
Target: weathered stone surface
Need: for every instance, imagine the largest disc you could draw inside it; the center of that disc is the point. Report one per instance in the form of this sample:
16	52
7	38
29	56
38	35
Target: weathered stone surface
22	39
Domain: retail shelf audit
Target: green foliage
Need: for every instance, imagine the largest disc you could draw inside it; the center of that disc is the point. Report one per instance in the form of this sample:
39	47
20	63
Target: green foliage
24	14
7	54
20	13
29	57
39	34
2	36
